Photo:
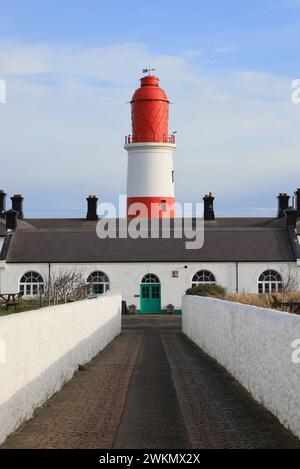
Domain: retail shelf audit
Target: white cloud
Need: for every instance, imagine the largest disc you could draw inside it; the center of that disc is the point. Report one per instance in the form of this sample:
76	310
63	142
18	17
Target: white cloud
24	59
66	114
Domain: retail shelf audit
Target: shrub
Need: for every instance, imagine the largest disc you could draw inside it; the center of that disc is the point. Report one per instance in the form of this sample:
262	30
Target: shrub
216	291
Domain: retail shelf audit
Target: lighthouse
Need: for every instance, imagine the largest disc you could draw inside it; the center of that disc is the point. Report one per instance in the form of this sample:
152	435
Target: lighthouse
150	173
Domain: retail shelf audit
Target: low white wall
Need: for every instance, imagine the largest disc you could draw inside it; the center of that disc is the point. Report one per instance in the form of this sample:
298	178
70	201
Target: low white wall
40	350
255	346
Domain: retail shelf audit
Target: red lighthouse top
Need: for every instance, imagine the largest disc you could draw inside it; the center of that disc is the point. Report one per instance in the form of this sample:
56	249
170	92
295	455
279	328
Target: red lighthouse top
150	113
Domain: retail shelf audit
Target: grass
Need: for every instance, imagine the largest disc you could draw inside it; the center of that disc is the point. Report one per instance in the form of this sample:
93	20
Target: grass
264	301
25	305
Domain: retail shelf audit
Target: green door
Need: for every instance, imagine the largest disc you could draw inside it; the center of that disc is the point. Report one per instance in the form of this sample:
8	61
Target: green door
150	298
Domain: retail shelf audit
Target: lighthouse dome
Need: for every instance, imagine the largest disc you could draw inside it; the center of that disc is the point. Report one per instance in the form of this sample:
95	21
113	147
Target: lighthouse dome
149	112
149	89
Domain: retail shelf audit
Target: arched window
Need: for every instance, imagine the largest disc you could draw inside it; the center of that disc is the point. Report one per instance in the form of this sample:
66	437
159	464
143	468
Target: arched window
203	276
150	278
270	281
31	284
98	282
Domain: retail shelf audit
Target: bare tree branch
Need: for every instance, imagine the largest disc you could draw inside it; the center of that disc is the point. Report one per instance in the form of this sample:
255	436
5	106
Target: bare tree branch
64	286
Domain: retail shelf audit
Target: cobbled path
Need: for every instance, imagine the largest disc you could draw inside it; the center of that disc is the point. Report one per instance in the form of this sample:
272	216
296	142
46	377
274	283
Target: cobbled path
152	388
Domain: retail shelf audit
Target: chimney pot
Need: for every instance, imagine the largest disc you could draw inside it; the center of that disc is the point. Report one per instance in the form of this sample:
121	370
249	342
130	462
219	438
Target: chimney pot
2	203
209	213
283	204
17	205
291	217
92	208
297	199
11	219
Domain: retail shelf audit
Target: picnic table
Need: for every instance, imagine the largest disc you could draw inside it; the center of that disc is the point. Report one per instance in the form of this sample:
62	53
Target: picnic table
11	300
290	306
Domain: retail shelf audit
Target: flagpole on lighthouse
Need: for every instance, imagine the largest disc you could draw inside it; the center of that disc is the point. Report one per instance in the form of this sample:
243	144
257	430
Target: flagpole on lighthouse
150	173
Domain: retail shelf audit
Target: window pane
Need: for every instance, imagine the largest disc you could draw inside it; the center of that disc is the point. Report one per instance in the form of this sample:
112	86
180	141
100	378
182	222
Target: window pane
203	276
155	292
98	288
150	278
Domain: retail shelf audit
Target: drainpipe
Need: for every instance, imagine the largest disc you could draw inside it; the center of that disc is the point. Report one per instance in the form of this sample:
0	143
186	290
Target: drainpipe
237	277
49	282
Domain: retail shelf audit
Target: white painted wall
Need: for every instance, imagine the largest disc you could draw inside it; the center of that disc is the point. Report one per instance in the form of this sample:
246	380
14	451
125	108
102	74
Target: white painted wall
255	346
40	350
149	170
126	277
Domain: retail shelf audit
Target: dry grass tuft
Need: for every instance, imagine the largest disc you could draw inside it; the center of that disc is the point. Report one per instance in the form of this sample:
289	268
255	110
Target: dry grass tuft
264	301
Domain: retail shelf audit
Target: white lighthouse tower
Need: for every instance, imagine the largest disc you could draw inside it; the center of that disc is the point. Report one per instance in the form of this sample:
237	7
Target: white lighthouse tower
150	174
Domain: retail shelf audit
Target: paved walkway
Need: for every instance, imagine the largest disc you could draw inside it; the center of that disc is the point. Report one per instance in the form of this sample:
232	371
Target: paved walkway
152	388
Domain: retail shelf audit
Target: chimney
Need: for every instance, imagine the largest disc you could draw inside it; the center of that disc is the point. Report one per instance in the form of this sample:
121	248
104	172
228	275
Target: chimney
17	205
11	219
283	204
297	199
92	208
209	213
291	217
2	203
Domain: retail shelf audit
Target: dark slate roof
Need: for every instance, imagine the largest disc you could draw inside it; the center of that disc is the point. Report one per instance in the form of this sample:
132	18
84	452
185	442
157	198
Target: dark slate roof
5	246
82	224
248	239
22	225
61	223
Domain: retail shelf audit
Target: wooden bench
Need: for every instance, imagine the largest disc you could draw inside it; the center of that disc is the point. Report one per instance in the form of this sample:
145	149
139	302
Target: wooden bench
11	300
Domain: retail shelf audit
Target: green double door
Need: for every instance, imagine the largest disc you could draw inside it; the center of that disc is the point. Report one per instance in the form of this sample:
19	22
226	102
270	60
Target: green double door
150	298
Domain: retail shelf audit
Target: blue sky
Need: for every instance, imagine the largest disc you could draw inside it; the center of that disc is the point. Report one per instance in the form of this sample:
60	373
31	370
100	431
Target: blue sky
261	33
264	31
70	67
